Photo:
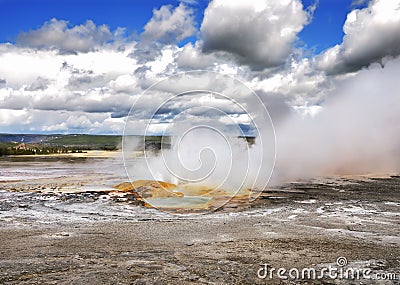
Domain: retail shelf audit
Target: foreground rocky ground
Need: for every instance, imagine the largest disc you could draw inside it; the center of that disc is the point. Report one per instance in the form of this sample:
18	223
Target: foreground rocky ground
92	238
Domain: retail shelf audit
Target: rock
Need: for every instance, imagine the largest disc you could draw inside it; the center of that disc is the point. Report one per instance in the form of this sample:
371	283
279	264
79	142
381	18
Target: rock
129	186
125	186
149	189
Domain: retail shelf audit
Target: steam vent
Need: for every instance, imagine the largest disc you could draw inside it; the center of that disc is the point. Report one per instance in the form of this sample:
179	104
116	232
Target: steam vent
179	198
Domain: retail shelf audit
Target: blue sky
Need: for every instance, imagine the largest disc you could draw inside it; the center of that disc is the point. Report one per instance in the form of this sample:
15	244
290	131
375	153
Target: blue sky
16	16
21	15
325	29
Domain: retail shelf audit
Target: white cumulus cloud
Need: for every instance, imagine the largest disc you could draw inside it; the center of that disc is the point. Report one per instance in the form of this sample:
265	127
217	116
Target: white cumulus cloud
57	34
257	33
371	35
170	25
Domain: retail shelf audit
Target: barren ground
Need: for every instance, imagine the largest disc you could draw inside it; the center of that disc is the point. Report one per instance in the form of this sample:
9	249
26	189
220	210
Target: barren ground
90	238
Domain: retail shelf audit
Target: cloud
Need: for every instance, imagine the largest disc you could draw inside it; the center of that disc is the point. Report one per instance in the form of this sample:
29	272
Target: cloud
170	25
23	66
146	51
39	84
99	82
86	82
42	121
57	34
78	122
124	84
298	83
108	79
191	57
355	3
257	33
45	80
371	35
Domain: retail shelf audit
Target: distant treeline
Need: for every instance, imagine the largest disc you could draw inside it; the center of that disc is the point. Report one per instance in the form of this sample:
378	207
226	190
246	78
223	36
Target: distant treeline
30	144
7	150
30	151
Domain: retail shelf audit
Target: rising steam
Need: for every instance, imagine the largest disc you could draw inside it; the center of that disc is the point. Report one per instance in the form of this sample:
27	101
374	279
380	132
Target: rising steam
357	131
206	116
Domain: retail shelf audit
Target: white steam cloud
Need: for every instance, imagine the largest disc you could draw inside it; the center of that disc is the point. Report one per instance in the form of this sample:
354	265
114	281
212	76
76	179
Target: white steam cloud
208	148
357	132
